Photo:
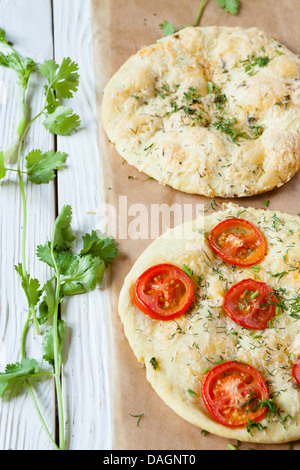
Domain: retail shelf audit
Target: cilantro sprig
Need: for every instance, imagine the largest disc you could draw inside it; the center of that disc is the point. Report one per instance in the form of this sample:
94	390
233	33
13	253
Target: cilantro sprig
77	272
23	69
62	83
230	6
71	273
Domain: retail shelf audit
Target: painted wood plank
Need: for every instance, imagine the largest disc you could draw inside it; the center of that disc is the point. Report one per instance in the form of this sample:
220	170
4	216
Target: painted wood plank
85	380
28	24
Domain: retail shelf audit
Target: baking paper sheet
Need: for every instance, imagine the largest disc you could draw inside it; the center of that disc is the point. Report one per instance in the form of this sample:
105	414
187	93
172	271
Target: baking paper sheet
121	28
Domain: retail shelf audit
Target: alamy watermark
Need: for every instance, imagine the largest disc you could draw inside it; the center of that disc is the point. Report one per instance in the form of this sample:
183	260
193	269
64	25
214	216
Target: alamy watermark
146	222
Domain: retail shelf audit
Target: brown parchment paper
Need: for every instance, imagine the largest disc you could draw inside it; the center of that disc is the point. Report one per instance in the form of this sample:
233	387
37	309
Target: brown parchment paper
121	28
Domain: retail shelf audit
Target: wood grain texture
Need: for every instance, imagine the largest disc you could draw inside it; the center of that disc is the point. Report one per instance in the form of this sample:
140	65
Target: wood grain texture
85	379
19	424
44	29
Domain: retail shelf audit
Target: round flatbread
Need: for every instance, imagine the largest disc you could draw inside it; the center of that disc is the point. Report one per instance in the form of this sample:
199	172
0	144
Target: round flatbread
177	353
209	110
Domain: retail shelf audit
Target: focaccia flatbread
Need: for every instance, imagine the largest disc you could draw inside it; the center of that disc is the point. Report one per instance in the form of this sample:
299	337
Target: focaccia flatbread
185	347
208	110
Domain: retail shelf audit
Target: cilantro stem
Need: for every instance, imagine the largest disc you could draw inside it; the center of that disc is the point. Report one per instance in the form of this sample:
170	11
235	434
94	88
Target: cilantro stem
24	335
200	13
23	73
23	112
14	169
29	388
24	203
32	313
57	365
63	82
40	415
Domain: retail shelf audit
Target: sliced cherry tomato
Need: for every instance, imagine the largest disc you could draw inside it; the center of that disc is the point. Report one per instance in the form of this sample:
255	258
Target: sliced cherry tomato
251	304
234	393
238	242
296	371
163	292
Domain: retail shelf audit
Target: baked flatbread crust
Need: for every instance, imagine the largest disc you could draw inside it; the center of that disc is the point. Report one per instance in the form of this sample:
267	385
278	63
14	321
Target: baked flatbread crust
209	110
185	347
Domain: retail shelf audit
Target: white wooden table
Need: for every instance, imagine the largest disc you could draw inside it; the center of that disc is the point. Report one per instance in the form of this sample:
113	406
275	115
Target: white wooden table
44	29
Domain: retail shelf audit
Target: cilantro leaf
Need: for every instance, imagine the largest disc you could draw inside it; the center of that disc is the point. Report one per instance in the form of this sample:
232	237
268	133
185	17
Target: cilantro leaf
23	370
72	288
63	234
99	244
12	60
47	306
63	121
63	260
67	79
62	237
2	166
167	27
22	67
30	286
2	35
231	6
79	274
86	270
48	343
64	80
43	252
41	166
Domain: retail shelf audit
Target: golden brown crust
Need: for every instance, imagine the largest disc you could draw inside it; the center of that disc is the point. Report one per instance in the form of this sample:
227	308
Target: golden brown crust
212	111
185	348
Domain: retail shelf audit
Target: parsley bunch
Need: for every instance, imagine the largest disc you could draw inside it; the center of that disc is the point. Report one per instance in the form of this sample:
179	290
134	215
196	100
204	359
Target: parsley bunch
72	273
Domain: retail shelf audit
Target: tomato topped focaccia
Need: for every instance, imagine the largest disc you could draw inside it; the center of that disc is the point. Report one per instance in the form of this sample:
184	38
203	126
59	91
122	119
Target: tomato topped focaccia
209	110
218	334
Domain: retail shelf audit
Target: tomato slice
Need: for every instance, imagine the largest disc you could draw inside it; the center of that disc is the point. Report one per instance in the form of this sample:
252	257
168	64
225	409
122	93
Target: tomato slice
234	393
251	304
296	371
238	242
163	292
